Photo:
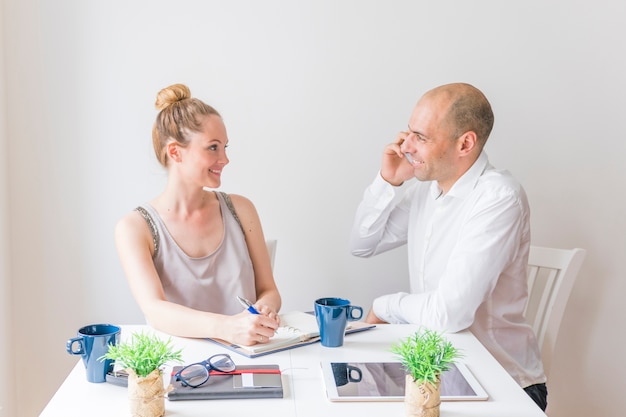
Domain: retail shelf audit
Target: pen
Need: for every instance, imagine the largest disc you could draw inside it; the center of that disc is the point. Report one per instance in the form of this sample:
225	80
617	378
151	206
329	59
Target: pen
247	305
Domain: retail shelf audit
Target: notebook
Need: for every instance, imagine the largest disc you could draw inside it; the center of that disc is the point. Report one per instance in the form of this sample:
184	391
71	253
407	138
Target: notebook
250	381
297	329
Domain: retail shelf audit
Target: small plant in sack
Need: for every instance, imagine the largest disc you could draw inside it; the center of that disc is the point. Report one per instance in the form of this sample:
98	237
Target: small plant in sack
425	356
142	357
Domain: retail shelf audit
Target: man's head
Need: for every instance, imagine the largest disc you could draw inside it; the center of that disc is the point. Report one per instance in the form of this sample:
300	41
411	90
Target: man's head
467	110
448	129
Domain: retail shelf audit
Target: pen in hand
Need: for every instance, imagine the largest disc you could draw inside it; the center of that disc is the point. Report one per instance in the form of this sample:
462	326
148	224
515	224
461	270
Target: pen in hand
247	305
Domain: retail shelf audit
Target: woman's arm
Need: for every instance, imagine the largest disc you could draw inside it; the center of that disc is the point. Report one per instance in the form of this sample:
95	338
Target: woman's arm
268	298
135	247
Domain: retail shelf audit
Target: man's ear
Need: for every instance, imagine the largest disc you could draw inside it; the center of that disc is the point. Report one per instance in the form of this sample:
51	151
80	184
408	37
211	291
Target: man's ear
467	142
173	151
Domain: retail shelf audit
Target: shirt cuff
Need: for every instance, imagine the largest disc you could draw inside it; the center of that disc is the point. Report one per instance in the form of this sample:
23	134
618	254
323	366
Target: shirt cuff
379	187
387	308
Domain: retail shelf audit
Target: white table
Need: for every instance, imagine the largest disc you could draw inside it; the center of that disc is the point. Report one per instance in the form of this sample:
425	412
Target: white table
304	393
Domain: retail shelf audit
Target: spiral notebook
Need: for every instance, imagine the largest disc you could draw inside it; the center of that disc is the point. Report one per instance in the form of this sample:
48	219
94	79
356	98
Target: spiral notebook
297	329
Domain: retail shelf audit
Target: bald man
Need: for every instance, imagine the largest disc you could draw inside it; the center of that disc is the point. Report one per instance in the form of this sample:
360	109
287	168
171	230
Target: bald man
466	226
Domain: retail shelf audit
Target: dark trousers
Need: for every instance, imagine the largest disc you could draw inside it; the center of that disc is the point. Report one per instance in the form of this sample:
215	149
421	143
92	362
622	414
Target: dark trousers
539	394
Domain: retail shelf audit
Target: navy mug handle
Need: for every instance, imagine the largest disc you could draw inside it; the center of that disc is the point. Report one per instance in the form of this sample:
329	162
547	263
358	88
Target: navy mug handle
70	346
351	311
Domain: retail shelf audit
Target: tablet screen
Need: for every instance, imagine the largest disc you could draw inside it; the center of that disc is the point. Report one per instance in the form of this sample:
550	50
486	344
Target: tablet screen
384	381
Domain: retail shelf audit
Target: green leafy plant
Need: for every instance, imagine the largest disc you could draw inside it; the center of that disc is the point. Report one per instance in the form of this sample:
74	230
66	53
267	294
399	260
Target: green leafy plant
143	354
426	355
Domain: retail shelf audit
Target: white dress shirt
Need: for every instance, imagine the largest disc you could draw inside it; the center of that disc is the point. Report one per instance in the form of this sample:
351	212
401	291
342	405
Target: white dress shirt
467	253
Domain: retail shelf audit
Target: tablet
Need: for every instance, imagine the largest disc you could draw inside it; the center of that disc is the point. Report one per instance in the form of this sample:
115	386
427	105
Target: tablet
384	381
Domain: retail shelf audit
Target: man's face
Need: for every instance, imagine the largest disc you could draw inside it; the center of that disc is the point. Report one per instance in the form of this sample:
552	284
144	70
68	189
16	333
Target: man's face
430	144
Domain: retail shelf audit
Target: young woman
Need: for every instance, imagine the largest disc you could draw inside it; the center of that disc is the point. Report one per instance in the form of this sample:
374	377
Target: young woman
189	252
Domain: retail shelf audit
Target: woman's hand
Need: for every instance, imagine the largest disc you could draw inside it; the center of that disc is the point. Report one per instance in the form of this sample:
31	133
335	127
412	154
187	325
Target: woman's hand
249	329
268	311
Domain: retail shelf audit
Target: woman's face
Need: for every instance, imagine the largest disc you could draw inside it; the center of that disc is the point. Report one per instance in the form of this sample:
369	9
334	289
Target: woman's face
204	158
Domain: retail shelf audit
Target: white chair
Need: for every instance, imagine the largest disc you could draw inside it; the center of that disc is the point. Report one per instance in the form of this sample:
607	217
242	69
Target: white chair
551	276
271	249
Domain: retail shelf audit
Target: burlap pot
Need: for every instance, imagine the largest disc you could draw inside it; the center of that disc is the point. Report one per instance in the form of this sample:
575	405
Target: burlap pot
146	394
421	400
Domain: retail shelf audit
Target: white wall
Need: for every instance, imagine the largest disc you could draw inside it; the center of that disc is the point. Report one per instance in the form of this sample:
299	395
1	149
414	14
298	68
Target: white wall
7	393
310	92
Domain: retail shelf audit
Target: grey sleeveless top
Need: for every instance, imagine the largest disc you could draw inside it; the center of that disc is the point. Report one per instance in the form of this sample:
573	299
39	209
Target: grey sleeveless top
212	282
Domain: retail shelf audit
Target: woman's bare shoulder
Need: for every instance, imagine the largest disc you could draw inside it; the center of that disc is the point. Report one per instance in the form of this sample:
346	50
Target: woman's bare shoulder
245	209
239	200
132	222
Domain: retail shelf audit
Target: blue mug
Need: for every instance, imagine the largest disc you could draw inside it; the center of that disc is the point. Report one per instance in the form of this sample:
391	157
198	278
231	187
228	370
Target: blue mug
332	316
91	343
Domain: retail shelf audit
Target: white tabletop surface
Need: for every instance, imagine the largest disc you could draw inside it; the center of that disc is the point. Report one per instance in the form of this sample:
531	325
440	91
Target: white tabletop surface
304	393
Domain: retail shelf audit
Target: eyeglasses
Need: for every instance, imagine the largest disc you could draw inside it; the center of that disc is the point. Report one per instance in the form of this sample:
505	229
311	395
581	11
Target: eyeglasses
197	374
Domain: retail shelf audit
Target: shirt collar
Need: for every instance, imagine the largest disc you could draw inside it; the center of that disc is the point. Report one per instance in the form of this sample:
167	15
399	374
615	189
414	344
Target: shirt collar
464	185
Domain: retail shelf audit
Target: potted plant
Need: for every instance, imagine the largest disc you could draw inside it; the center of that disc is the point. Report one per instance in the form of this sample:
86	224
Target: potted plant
142	357
425	356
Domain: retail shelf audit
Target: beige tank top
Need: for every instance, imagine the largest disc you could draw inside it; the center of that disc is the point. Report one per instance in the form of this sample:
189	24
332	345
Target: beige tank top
210	283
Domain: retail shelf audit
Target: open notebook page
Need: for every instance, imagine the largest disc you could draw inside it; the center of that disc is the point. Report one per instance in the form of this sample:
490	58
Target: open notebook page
295	326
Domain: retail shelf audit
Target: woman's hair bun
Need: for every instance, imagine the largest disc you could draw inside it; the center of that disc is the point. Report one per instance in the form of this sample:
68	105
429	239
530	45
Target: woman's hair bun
171	94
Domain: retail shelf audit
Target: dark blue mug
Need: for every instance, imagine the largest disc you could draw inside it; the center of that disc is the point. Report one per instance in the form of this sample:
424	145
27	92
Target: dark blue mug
91	343
332	316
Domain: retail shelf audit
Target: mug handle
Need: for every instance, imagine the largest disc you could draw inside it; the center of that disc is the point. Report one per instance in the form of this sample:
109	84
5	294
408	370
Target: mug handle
70	346
354	373
351	316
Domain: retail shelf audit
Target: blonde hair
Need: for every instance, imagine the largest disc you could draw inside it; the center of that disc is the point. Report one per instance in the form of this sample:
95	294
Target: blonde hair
179	114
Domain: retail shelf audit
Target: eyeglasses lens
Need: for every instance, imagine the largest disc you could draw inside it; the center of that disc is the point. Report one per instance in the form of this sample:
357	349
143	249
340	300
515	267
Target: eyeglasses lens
194	374
197	374
222	363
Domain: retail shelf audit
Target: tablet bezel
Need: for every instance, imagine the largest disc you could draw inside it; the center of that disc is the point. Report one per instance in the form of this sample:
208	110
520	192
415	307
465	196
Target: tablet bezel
333	394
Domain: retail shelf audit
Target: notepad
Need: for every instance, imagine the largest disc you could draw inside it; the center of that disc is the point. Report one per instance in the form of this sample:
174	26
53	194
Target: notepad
297	328
247	381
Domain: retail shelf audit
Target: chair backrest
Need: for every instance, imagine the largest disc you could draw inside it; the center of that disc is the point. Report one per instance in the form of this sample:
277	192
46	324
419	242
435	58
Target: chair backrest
271	249
551	276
